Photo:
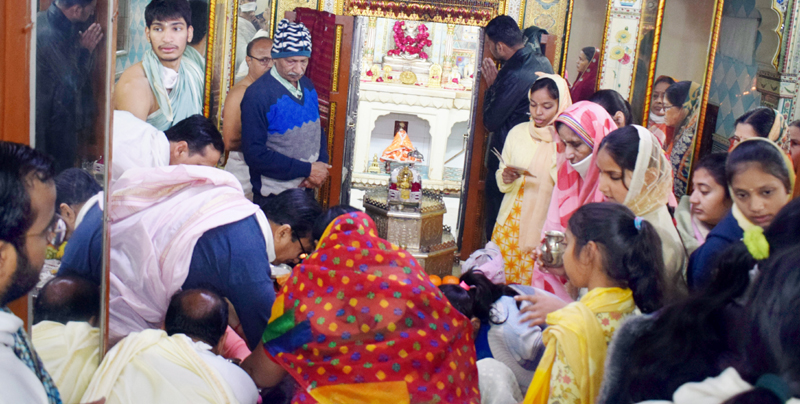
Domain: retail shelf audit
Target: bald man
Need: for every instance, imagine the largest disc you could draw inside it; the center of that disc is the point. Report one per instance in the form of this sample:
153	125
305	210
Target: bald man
65	333
259	61
179	365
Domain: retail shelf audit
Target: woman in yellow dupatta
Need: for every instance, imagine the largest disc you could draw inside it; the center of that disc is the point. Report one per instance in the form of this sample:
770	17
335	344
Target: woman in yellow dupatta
527	176
617	256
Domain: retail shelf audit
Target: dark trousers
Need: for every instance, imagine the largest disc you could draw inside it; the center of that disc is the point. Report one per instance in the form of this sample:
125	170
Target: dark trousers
492	195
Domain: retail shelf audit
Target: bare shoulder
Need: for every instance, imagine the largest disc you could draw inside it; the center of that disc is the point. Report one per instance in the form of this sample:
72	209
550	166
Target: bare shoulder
237	92
133	75
132	92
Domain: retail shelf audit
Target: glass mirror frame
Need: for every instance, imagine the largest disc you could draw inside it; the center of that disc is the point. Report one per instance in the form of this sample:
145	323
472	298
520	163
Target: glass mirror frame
562	68
219	58
107	13
643	98
218	76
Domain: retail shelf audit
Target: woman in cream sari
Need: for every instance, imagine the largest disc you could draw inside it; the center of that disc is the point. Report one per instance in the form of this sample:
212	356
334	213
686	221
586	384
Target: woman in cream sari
526	176
635	173
616	256
682	111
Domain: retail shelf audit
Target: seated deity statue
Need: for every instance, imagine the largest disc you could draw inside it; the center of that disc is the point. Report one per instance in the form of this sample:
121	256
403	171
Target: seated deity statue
405	185
400	148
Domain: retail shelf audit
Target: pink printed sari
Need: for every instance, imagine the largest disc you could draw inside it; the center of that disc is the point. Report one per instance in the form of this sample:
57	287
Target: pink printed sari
591	123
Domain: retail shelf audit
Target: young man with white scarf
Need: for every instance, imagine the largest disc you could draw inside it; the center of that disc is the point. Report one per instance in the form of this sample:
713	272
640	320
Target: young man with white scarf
167	85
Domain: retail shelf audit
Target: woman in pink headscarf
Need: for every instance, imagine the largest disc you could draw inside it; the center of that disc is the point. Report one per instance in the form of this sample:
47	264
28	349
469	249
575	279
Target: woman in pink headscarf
581	128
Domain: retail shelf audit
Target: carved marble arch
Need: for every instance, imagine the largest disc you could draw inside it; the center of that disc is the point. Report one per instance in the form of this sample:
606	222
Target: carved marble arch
768	52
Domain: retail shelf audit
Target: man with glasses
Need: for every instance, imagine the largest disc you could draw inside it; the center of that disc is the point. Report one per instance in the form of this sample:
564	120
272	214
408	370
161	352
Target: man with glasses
259	61
183	227
27	219
282	139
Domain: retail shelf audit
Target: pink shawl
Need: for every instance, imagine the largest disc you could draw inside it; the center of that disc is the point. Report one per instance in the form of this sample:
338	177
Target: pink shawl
156	216
591	123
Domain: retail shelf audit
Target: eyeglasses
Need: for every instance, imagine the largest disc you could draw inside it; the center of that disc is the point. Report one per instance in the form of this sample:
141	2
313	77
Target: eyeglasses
304	254
55	233
263	61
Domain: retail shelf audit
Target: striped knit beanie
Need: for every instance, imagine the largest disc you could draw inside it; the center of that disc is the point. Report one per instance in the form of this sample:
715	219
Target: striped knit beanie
291	39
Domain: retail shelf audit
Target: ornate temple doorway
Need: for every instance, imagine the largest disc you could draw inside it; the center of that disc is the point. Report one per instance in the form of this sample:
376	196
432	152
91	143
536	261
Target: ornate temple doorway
416	92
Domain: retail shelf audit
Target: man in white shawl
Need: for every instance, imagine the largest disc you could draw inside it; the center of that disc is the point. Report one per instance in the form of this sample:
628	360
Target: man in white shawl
65	333
179	365
181	227
194	140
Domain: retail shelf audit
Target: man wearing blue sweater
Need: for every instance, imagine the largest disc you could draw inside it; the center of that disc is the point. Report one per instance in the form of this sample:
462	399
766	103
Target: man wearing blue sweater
282	139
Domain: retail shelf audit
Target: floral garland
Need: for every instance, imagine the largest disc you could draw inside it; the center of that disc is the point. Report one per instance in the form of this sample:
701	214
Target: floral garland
410	45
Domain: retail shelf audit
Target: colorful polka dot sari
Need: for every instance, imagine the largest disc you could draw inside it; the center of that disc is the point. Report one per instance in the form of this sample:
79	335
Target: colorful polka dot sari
359	322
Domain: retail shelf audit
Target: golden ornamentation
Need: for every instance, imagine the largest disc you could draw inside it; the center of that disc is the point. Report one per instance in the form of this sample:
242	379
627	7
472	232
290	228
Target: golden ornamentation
404	181
651	73
212	15
555	18
374	167
600	67
337	54
462	12
375	72
408	77
323	197
279	10
235	22
707	84
563	68
435	76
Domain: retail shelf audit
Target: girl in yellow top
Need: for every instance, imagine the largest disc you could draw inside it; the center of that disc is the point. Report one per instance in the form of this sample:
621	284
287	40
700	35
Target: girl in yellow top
617	257
530	146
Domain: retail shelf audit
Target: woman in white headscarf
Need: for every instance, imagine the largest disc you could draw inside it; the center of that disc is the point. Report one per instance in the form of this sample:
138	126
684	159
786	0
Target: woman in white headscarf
635	172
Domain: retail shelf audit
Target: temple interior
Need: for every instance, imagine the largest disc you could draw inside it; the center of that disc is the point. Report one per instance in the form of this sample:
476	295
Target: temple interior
470	148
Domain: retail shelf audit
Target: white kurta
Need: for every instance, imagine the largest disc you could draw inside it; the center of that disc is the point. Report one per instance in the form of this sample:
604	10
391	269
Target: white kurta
136	144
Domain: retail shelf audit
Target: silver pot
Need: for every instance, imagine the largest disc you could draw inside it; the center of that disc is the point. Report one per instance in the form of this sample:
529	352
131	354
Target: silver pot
553	249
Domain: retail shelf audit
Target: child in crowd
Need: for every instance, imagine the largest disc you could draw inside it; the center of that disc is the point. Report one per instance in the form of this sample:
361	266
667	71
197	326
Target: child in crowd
709	203
617	256
652	356
761	180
